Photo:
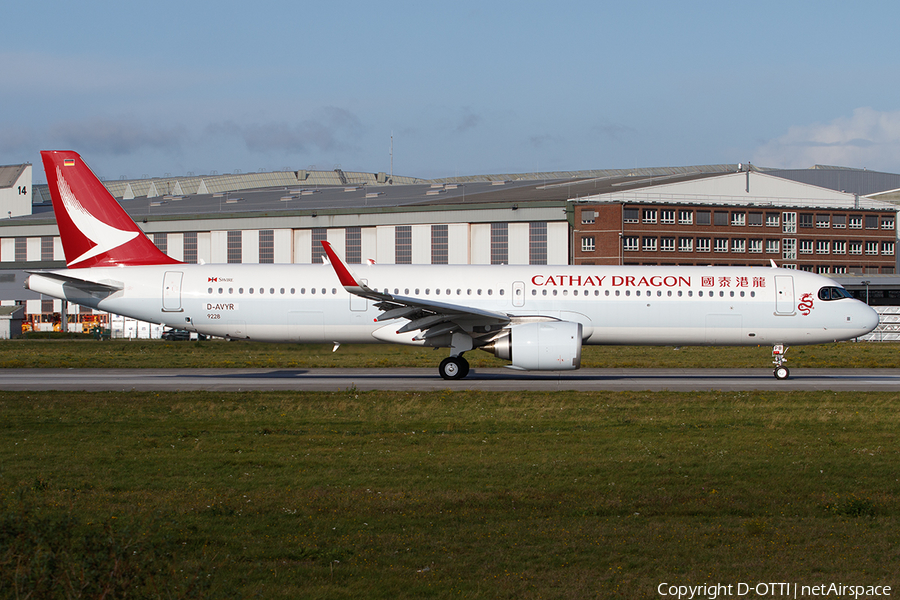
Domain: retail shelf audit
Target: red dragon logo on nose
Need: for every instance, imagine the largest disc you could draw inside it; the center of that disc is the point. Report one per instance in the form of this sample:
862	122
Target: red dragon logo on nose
806	304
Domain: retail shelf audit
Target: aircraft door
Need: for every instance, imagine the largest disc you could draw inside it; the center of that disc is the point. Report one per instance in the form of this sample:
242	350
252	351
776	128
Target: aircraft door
518	293
171	296
784	295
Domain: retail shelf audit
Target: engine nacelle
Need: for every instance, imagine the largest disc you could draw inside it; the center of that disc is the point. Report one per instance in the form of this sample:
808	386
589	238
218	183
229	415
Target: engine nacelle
542	346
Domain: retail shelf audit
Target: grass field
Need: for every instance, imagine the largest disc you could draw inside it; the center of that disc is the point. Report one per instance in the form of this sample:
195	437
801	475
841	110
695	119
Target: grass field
159	354
447	494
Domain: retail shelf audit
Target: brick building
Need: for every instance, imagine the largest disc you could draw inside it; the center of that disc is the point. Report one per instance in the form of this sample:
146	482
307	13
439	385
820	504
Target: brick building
707	221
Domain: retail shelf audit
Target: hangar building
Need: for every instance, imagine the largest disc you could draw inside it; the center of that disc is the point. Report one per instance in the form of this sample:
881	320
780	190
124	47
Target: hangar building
714	214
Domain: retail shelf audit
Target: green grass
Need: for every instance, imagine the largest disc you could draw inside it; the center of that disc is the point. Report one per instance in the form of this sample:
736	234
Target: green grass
460	494
161	354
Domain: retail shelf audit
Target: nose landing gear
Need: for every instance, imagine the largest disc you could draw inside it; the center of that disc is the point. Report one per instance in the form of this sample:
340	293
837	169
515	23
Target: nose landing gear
781	371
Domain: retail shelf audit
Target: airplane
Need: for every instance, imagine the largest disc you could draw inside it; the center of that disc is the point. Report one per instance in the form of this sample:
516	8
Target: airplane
537	317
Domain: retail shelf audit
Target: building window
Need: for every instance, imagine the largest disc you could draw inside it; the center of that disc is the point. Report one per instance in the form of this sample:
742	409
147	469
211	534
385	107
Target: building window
649	215
499	243
703	244
822	246
21	249
630	215
703	217
47	248
887	222
839	247
685	244
772	220
839	270
440	244
588	217
773	247
649	244
871	248
267	246
806	246
587	243
839	221
352	245
403	244
667	244
161	241
739	245
887	248
738	219
190	247
855	221
855	247
720	218
234	250
667	216
822	270
806	220
630	243
755	246
789	249
721	244
537	243
823	221
319	235
871	221
789	222
685	217
755	219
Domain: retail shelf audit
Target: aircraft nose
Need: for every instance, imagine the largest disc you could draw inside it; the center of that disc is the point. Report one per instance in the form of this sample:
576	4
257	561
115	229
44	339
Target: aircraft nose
865	317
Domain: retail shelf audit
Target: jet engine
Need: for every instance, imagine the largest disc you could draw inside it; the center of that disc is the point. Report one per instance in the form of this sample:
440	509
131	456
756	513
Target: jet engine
541	346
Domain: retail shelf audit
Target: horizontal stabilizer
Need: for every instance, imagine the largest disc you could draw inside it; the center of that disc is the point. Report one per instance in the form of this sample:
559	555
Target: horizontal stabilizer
90	287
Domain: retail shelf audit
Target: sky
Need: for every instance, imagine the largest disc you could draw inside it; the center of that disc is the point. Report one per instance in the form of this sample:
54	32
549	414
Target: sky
462	88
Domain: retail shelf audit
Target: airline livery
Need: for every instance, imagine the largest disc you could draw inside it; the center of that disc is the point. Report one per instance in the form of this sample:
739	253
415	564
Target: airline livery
537	317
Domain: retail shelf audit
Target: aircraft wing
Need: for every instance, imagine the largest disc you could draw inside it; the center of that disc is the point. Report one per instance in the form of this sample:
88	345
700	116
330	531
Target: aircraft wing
430	317
89	287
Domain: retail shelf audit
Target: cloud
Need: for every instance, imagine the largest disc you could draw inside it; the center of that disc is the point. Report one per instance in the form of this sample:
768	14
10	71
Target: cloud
468	121
116	136
331	129
869	138
612	132
544	140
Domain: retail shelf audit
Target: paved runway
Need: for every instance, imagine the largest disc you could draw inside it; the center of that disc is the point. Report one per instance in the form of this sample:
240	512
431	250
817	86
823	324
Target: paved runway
428	379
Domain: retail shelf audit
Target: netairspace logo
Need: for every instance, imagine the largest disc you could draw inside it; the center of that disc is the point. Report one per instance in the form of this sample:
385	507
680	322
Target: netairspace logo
771	590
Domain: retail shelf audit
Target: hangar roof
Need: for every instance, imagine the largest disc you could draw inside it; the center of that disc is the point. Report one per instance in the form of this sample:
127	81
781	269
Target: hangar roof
291	200
10	174
352	198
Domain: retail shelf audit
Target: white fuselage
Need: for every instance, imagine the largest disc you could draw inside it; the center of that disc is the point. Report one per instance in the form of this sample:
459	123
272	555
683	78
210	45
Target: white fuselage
615	305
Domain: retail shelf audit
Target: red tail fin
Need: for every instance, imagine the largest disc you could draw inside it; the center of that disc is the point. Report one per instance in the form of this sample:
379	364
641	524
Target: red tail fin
95	230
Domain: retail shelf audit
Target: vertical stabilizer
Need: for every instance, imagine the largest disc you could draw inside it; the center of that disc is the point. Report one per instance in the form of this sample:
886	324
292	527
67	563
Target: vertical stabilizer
95	230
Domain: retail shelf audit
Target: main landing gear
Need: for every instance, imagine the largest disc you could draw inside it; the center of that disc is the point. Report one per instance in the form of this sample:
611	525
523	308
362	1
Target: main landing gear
454	367
781	371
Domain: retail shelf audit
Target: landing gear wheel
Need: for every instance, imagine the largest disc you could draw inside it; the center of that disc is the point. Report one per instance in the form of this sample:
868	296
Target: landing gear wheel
782	373
454	367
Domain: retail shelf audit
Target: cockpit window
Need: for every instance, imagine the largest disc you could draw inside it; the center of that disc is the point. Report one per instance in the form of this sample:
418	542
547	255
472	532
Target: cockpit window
833	293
